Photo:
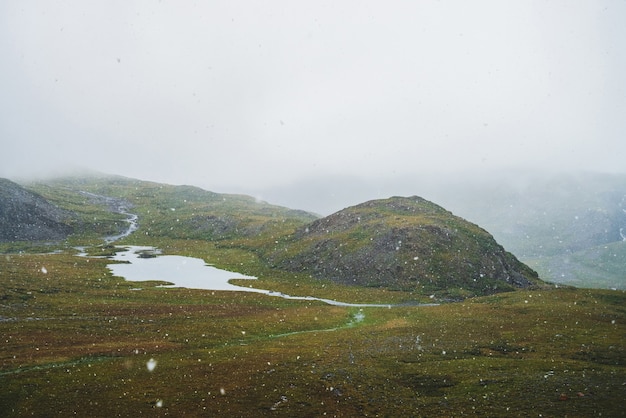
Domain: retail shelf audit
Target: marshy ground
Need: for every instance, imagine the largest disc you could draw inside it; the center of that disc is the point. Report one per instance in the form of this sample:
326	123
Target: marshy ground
78	341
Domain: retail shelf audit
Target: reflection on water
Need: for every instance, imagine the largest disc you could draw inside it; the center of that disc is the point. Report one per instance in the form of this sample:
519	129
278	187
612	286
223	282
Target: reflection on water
181	271
192	273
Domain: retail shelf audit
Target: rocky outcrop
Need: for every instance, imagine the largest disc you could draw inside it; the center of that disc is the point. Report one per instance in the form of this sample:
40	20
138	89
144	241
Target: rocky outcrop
27	216
404	244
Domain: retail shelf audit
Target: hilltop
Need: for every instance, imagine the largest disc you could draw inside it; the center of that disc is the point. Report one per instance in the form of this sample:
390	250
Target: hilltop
403	243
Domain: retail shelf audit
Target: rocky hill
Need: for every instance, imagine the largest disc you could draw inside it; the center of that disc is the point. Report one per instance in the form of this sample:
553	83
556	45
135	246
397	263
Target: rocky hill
27	216
404	244
568	226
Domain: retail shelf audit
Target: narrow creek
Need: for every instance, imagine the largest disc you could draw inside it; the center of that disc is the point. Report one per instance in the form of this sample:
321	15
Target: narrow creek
355	319
116	205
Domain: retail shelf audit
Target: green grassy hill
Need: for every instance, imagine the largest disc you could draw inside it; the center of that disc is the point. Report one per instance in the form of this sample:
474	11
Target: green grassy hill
166	211
407	244
547	220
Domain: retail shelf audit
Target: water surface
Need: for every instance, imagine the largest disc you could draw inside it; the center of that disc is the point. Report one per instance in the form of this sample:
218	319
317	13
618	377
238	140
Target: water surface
181	271
192	273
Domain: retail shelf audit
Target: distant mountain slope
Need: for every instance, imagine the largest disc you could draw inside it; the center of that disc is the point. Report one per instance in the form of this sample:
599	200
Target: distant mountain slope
570	227
550	215
27	216
179	212
405	244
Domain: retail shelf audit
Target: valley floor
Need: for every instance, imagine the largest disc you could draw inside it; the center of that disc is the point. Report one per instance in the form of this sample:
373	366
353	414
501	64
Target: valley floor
78	341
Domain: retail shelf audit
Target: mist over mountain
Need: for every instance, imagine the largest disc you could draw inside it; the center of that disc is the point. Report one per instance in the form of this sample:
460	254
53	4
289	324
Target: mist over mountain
568	226
368	162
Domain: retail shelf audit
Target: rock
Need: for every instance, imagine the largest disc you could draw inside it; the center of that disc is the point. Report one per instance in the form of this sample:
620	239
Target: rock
27	216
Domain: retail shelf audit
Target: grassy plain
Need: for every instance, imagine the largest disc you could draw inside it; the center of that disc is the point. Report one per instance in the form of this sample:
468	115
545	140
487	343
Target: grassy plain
77	341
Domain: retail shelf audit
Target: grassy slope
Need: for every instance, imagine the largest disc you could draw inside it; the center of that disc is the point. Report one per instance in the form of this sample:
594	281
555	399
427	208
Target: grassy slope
76	341
174	211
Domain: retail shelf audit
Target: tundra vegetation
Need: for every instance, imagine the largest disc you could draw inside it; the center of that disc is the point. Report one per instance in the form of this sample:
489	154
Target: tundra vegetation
77	340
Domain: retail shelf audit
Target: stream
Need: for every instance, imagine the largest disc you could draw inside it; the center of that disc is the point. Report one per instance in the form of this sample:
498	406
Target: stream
116	205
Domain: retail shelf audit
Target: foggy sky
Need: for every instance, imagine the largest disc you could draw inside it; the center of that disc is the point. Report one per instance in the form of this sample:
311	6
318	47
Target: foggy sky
246	96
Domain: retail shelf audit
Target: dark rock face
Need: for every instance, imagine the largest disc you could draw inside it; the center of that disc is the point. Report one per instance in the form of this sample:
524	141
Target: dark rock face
26	216
405	244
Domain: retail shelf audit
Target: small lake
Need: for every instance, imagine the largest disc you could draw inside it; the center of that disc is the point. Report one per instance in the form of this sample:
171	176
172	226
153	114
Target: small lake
144	263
